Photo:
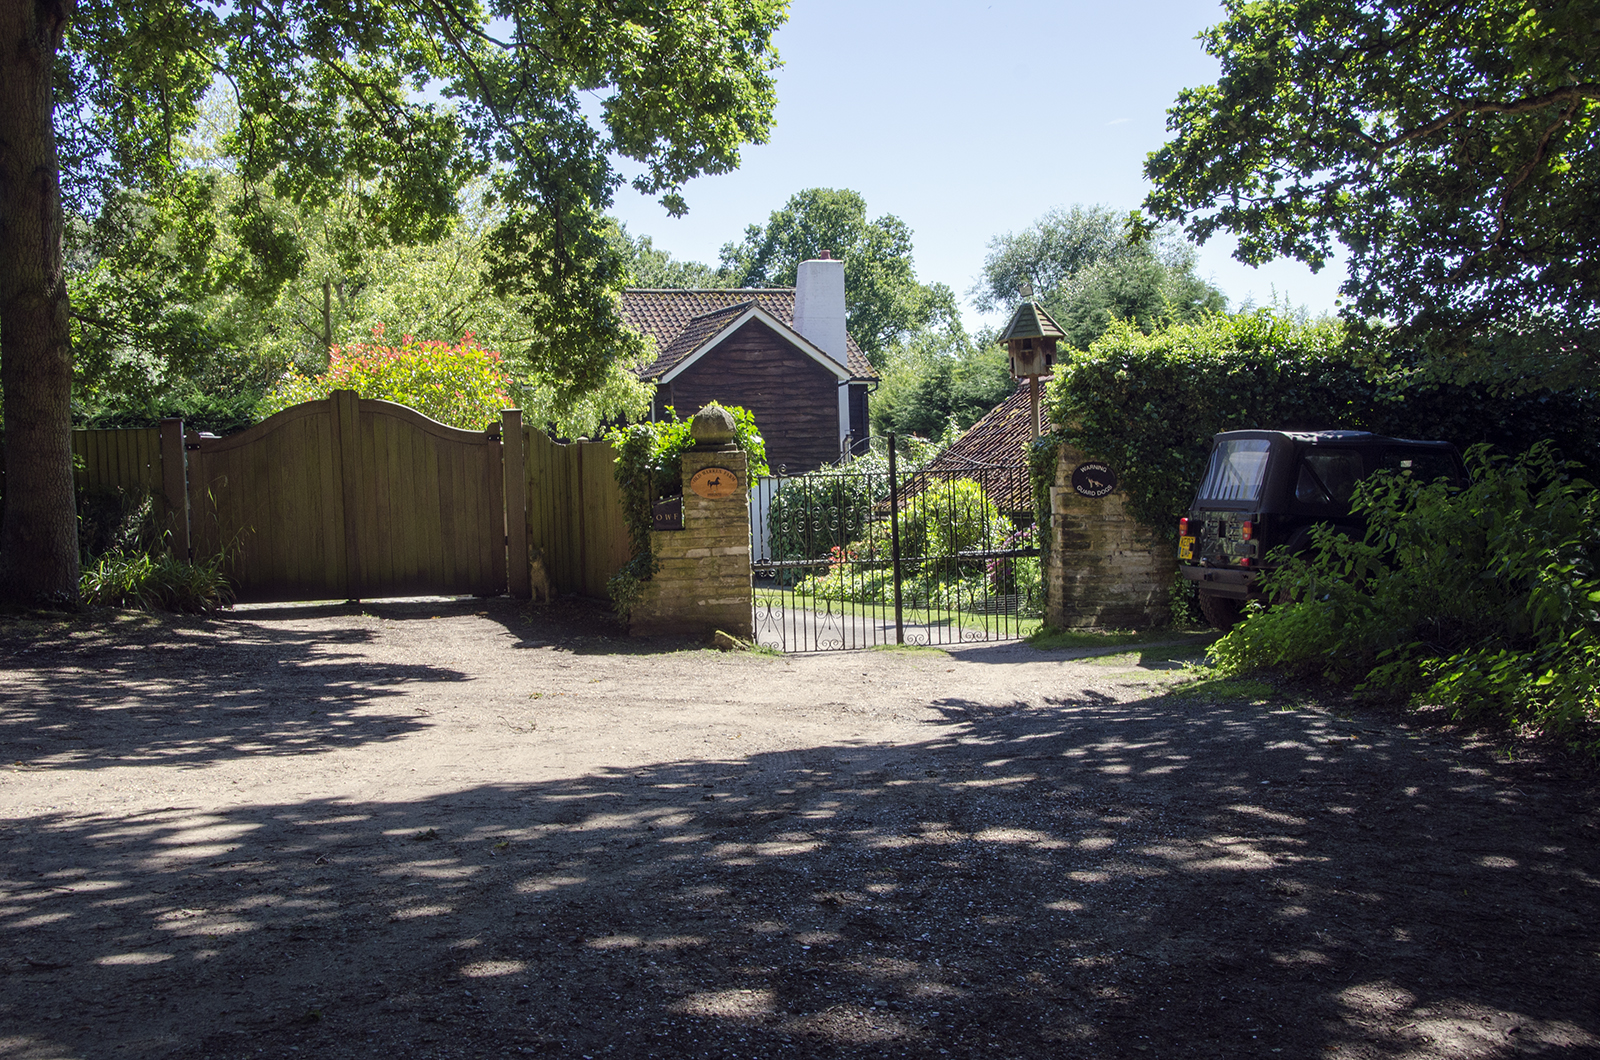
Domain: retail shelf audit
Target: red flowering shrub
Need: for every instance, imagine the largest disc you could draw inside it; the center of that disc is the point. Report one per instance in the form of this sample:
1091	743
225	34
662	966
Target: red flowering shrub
460	384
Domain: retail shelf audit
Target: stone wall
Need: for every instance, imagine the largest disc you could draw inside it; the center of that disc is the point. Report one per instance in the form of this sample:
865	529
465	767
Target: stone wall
1104	568
704	580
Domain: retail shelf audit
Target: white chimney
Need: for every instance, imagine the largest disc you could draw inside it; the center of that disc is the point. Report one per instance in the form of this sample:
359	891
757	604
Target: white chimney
819	304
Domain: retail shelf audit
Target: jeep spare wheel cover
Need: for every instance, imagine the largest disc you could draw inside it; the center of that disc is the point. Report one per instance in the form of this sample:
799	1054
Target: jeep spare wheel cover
1093	479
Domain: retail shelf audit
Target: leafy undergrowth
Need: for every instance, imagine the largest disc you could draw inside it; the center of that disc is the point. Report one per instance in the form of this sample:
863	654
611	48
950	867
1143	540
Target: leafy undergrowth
1483	600
156	583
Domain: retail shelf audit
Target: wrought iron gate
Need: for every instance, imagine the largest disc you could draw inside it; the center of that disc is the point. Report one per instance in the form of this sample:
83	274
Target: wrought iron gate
872	552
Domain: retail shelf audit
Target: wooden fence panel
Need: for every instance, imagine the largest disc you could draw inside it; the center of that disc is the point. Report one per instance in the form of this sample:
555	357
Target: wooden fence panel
575	512
138	459
606	532
125	458
349	498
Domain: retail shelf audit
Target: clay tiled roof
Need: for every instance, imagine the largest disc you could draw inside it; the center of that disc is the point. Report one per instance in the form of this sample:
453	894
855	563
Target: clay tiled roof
683	321
994	452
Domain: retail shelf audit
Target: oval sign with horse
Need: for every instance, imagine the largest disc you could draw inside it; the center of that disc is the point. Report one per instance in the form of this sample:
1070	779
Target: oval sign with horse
714	483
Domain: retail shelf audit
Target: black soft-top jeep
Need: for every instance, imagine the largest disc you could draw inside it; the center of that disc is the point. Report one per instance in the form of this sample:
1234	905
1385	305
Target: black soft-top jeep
1263	489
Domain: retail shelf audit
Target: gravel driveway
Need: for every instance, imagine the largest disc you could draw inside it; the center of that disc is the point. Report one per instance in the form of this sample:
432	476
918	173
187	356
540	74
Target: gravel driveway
452	829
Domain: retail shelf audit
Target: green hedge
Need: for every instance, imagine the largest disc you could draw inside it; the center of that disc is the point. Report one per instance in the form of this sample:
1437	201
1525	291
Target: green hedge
1149	404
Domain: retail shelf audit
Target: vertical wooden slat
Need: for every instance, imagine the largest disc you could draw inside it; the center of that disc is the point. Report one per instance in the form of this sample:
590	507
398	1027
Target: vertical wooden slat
514	517
425	476
149	460
330	474
80	449
123	472
152	442
376	561
175	487
391	536
263	523
348	456
308	481
455	567
94	466
422	506
469	553
199	526
492	517
139	465
538	458
405	513
471	514
293	512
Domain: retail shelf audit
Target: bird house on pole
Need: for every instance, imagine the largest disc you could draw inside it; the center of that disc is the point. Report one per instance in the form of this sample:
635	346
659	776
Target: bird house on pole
1030	339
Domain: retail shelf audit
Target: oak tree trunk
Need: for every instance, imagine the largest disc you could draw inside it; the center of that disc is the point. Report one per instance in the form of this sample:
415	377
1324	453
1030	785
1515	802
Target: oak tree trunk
39	534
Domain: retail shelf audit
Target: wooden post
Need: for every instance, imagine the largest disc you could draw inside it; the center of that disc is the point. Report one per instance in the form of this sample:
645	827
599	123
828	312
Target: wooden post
514	466
175	487
1033	404
346	459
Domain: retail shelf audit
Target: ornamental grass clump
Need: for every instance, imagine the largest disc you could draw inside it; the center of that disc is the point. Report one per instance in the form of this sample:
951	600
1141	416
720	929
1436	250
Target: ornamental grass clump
125	562
155	583
1484	599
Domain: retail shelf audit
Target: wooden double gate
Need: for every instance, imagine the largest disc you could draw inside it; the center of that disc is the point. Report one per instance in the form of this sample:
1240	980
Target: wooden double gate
349	498
356	498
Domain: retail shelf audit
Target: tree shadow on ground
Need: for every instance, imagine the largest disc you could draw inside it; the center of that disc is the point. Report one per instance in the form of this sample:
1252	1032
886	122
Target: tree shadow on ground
1161	877
197	691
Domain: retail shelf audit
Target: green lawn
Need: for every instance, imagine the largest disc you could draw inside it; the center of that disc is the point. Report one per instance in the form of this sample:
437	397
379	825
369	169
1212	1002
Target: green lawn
993	626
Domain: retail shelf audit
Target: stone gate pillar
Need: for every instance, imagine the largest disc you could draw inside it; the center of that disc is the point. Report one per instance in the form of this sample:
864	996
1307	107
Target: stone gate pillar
704	580
1105	568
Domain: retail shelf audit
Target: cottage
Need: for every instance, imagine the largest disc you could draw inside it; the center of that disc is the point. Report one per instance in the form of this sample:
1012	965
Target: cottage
783	353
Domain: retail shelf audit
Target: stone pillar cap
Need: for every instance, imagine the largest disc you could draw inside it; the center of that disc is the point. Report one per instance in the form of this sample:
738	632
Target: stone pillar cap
712	426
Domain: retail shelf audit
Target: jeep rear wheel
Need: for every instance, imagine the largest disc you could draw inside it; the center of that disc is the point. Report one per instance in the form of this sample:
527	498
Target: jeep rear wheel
1221	611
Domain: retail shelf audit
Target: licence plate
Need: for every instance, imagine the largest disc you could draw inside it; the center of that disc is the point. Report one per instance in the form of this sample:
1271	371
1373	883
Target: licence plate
1186	548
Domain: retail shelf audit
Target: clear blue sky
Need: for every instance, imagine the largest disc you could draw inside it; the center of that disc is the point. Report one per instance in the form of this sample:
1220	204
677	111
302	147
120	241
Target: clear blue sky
968	120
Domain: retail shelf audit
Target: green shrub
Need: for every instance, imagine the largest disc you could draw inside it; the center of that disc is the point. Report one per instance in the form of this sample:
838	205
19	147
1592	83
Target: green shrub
1149	404
117	519
218	413
155	583
951	516
1485	599
672	440
815	513
458	384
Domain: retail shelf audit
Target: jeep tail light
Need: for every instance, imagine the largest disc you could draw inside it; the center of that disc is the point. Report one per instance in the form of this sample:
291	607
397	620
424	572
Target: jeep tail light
1244	561
1183	526
1244	530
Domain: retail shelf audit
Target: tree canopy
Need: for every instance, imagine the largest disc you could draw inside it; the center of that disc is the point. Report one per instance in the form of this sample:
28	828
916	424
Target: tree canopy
935	376
1451	147
1082	265
651	266
884	301
396	106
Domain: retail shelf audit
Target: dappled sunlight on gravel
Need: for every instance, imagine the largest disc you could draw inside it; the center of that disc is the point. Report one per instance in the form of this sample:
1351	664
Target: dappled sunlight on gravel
879	854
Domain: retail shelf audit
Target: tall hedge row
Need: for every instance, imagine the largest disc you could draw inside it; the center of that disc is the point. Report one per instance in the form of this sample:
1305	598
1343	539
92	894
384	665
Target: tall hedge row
1149	404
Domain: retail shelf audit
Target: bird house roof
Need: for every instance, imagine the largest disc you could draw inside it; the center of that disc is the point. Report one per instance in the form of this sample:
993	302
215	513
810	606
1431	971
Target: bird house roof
1030	321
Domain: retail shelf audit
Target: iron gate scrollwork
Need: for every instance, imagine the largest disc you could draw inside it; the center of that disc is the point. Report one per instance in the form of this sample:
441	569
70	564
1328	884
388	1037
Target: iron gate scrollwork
872	551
